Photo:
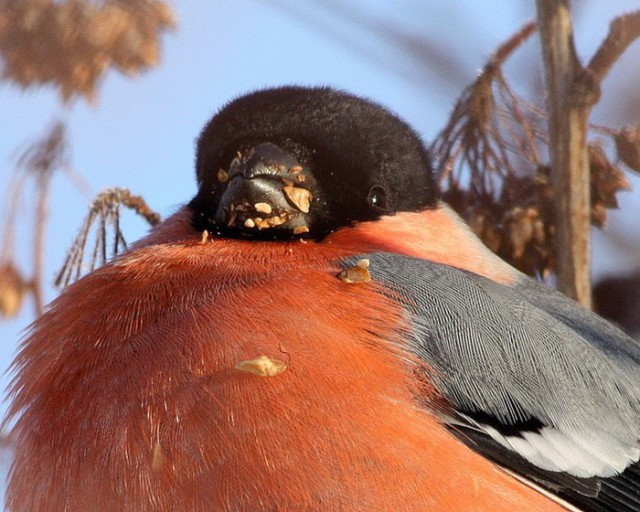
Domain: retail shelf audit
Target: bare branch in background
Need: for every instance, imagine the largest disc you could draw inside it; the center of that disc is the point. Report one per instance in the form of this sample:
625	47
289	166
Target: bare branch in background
572	91
69	44
104	214
37	162
623	31
568	125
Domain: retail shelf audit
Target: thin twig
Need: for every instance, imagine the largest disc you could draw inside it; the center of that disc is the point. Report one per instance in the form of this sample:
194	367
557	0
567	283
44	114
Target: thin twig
40	233
623	31
505	50
105	210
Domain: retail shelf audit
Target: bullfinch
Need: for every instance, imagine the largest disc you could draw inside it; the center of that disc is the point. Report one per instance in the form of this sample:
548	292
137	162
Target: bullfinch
316	331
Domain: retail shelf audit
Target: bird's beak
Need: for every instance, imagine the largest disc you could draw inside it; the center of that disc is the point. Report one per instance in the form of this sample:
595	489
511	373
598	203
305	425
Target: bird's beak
267	194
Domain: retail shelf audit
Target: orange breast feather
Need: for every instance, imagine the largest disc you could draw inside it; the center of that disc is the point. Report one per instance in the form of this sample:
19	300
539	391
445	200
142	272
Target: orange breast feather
131	399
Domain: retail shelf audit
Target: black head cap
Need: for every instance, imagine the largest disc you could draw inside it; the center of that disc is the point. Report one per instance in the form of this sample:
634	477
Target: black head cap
297	161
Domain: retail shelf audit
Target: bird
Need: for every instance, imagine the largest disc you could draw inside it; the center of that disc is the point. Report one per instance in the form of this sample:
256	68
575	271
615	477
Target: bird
317	330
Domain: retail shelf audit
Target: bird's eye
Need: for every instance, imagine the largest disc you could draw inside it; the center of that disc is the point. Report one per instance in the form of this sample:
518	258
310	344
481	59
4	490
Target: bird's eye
378	197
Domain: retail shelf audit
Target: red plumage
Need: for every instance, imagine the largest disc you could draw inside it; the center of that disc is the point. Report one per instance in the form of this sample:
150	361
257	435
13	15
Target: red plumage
130	400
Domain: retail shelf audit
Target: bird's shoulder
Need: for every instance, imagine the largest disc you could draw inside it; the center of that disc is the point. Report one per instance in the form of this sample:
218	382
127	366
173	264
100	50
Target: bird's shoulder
535	382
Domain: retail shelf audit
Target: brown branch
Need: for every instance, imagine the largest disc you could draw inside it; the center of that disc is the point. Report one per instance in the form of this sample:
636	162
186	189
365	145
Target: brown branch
105	214
508	47
39	242
14	195
622	32
572	92
568	124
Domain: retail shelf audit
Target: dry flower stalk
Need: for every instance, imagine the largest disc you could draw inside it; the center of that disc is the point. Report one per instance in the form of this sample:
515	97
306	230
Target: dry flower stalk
105	211
72	43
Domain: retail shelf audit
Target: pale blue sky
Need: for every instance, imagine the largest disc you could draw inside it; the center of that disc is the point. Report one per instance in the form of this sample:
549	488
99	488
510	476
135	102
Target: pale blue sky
141	133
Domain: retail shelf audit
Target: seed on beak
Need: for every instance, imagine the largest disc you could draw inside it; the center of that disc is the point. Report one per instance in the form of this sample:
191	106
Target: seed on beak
236	162
263	208
299	230
275	220
357	274
299	197
223	175
262	366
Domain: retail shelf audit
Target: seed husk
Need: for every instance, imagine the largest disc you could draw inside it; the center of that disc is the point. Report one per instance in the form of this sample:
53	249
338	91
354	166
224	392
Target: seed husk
299	197
223	175
263	208
357	274
262	366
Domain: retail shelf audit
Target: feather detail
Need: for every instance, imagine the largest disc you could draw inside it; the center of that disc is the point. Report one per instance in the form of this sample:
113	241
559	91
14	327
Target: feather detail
128	397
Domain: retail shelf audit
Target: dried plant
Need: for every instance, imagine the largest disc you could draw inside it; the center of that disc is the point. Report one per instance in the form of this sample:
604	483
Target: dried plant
104	213
69	44
13	289
493	166
627	142
72	43
37	162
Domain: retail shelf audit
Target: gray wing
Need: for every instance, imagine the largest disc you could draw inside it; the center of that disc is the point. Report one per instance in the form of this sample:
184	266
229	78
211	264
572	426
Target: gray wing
538	383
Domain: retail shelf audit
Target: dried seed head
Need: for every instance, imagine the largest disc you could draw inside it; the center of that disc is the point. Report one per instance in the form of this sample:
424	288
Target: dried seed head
263	208
628	146
12	290
223	175
299	197
262	366
520	228
249	223
485	228
606	181
296	169
357	274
